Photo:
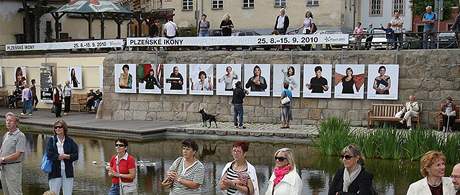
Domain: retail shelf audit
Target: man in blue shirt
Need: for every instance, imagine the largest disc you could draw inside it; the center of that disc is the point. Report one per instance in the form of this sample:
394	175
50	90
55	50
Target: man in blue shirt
429	18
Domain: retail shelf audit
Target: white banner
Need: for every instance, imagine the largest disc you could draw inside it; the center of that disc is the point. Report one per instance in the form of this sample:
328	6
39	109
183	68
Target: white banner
66	45
240	40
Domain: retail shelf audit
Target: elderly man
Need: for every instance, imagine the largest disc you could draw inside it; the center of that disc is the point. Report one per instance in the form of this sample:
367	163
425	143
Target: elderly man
397	25
11	156
456	178
428	20
282	22
411	109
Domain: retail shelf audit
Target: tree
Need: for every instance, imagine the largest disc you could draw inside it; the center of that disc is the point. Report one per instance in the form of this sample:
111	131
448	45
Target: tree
418	7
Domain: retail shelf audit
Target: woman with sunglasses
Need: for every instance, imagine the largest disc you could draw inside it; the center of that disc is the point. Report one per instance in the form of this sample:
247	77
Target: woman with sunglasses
284	180
186	172
239	176
63	151
352	178
122	169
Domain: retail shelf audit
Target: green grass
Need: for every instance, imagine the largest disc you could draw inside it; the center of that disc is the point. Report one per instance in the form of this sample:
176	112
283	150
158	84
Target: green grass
337	134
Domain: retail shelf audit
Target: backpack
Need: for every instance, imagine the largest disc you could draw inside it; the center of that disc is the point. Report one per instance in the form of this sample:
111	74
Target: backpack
313	28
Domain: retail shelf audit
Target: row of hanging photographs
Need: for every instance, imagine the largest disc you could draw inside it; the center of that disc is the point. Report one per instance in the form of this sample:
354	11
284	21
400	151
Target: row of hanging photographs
318	79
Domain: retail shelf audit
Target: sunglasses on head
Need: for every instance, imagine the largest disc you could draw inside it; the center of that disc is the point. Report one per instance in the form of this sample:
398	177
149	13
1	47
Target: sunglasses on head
280	158
347	157
119	145
58	127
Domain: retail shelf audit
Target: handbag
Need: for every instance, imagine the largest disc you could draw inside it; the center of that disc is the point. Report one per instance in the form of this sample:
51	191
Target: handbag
285	100
126	187
167	183
47	164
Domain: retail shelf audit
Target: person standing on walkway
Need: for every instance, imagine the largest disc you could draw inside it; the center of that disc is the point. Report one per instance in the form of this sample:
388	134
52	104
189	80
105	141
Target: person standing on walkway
226	25
428	19
57	100
237	100
286	102
455	176
11	156
456	28
284	180
282	22
26	100
369	36
63	151
397	26
358	33
67	93
33	88
203	26
170	28
122	169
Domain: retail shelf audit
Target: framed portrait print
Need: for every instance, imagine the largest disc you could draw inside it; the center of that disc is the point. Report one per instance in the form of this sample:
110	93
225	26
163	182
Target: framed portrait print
257	79
226	77
382	81
201	79
125	78
75	77
148	78
317	79
286	73
349	81
175	77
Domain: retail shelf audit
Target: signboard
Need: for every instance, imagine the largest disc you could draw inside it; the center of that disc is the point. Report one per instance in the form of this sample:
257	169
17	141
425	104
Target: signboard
46	83
66	45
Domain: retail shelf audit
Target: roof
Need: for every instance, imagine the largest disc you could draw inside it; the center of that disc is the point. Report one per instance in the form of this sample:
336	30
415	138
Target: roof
93	6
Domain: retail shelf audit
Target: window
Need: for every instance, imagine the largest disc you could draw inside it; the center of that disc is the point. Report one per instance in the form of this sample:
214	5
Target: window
398	5
312	2
217	4
187	4
375	8
280	3
248	4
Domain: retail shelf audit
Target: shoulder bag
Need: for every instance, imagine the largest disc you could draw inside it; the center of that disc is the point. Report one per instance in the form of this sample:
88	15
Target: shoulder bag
168	183
126	187
47	164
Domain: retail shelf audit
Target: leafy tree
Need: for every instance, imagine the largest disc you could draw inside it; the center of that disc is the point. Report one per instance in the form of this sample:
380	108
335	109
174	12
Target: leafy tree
418	7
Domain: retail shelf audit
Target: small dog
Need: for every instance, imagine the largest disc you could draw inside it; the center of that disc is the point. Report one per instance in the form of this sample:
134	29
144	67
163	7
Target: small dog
207	117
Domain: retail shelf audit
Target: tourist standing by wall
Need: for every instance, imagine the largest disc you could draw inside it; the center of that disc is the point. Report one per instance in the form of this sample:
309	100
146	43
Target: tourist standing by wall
170	28
26	100
122	169
456	28
358	33
237	100
226	25
57	100
239	176
11	156
63	151
282	22
428	19
286	113
203	26
369	36
284	180
67	93
33	88
397	26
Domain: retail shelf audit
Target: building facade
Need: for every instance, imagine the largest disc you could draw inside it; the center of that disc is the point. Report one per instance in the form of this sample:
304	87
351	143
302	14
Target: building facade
380	12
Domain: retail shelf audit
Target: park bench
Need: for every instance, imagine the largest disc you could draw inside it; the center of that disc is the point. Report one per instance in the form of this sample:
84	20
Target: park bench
387	112
4	98
439	117
78	102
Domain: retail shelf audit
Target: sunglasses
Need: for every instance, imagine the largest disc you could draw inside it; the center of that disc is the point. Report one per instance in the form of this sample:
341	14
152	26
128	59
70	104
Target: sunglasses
119	145
347	157
58	127
278	158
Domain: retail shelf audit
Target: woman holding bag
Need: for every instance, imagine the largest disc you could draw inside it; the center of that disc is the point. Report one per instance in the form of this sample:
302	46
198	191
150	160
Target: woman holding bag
122	169
62	151
186	174
286	100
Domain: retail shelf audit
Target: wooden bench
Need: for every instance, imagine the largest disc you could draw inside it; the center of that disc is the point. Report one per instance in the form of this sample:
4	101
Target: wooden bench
78	102
4	98
440	121
387	112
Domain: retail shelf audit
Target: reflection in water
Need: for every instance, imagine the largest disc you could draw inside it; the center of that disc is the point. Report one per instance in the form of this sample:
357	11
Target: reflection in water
390	177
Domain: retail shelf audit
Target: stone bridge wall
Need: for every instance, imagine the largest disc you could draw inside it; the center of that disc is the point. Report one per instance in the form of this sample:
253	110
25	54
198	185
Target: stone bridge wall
429	74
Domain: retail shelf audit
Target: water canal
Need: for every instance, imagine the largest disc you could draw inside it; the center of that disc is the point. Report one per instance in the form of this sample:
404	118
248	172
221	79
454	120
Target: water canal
390	177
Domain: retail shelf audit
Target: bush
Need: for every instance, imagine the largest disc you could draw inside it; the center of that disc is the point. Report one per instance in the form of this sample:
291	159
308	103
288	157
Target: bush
334	135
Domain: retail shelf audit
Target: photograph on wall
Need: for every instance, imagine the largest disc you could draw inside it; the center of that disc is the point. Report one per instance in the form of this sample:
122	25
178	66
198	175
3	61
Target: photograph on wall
148	78
226	77
1	77
257	79
20	77
125	76
286	73
201	79
349	81
382	81
75	77
174	79
317	80
46	82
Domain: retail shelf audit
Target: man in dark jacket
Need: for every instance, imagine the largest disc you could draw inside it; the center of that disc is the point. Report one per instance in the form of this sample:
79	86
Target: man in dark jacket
282	22
238	95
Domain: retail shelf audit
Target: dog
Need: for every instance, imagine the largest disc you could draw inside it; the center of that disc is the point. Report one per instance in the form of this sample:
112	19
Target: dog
207	117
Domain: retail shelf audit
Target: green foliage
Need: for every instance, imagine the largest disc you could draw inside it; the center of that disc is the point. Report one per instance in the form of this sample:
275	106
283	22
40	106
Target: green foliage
451	148
418	7
336	135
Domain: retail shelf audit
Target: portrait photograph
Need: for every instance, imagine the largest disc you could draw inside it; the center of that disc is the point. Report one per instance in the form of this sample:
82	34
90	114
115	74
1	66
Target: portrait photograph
125	78
226	77
175	79
75	77
349	81
382	81
148	78
317	80
20	77
286	73
257	79
201	80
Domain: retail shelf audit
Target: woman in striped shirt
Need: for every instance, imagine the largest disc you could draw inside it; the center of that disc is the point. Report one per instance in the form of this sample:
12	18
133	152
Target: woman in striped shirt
239	176
187	171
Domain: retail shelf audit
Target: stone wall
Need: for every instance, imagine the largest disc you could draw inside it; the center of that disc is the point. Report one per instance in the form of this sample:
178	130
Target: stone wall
429	74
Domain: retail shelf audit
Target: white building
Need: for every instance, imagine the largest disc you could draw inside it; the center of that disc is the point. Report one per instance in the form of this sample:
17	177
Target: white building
378	12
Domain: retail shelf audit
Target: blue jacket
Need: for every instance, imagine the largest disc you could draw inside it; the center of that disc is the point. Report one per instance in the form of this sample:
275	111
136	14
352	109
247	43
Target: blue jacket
70	147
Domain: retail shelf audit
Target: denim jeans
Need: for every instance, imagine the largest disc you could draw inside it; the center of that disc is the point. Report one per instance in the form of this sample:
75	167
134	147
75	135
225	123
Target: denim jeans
203	33
114	189
61	182
238	114
428	36
27	107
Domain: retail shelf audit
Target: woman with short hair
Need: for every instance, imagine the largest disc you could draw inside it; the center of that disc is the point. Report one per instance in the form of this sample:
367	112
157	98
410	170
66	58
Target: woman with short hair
284	180
122	169
286	113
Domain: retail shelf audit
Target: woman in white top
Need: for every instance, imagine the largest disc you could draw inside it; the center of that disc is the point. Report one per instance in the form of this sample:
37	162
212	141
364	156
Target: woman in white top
284	180
432	167
228	78
239	176
203	83
307	23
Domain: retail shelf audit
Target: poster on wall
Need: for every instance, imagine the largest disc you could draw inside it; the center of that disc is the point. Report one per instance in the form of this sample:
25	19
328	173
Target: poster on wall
226	77
20	75
174	79
257	79
349	81
286	73
75	77
1	77
382	82
46	82
317	80
201	79
125	76
149	78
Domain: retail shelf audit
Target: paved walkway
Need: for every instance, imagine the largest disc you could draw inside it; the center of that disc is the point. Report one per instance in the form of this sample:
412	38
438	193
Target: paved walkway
86	124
